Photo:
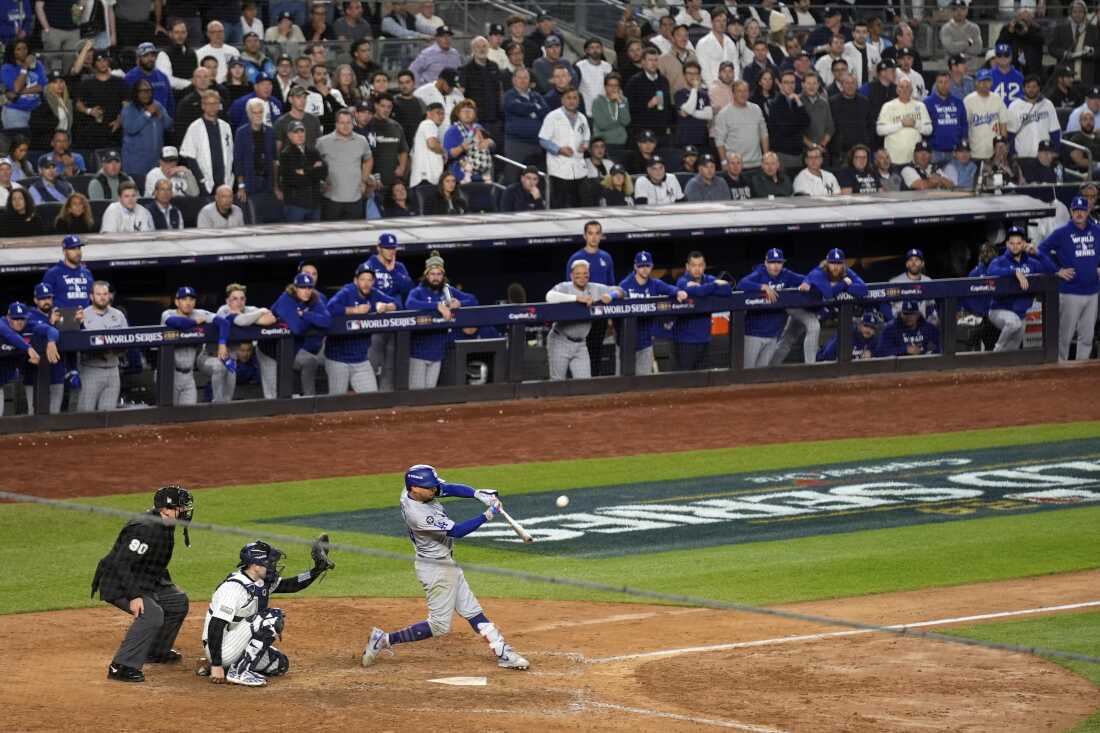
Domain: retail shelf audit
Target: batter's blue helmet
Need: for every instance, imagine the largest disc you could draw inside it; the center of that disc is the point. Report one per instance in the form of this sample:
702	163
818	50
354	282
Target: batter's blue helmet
422	475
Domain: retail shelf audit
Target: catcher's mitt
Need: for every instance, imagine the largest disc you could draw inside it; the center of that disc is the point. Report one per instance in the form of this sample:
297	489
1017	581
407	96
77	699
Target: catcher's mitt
319	552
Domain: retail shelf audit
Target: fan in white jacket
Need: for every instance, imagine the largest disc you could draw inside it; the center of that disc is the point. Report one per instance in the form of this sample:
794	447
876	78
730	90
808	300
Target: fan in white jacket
196	143
126	215
716	47
656	187
565	135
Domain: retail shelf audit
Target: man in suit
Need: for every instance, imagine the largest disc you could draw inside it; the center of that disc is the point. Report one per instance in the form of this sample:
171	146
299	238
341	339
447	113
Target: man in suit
1075	43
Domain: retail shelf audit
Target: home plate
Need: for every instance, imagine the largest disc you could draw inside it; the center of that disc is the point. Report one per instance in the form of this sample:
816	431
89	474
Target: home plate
462	681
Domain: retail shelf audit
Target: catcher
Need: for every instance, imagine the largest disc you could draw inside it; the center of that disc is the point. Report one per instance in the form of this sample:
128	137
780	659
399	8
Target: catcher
240	628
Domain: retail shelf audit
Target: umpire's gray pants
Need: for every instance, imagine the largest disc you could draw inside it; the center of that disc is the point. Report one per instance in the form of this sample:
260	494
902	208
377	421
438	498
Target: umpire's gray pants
759	351
566	356
423	374
360	376
154	631
99	388
799	322
383	357
57	394
304	362
1012	329
1077	314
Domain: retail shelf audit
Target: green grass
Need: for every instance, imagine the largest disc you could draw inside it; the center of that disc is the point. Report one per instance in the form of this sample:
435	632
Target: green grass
49	555
1077	632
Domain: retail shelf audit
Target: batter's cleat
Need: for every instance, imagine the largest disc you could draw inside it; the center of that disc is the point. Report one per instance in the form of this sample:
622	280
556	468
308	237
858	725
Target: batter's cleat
245	677
379	642
511	659
122	673
167	658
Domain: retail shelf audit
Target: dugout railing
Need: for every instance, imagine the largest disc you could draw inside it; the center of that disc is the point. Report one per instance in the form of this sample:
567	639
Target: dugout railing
514	321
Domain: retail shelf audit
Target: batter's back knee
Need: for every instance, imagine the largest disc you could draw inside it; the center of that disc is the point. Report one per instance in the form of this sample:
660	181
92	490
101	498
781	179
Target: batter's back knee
440	626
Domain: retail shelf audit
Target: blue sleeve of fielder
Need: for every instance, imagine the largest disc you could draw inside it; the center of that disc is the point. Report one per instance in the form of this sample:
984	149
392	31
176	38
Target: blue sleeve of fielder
464	528
46	330
223	325
181	322
446	488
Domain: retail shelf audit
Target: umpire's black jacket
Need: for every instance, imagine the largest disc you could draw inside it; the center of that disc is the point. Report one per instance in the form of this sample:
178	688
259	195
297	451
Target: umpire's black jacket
138	563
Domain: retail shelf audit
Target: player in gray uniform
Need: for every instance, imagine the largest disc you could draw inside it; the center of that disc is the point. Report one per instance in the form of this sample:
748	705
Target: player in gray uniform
189	358
99	377
914	273
237	311
433	534
566	346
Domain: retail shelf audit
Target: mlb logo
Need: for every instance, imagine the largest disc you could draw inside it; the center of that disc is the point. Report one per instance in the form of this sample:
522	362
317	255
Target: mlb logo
99	341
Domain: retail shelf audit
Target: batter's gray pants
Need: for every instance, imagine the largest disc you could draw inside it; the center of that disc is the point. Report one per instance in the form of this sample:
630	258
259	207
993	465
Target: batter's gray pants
154	631
304	362
423	374
99	388
1012	329
57	394
799	322
1077	313
383	356
759	351
360	376
567	356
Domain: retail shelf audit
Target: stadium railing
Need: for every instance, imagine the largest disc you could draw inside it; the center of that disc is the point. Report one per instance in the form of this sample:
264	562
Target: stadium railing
509	352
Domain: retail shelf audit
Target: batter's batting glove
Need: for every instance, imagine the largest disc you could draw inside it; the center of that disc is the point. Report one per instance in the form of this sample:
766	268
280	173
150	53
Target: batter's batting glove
486	496
492	511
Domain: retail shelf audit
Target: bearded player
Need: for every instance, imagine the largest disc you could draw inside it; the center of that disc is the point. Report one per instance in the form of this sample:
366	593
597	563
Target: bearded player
433	534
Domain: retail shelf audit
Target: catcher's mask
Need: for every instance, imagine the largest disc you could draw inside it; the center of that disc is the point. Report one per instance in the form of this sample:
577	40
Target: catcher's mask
261	553
177	497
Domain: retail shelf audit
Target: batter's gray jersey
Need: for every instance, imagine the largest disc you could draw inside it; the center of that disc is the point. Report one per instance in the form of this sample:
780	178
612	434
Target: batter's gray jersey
567	292
185	355
428	524
95	321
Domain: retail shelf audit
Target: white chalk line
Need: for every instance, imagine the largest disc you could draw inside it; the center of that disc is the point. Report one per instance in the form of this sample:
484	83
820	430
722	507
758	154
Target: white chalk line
835	634
618	618
731	724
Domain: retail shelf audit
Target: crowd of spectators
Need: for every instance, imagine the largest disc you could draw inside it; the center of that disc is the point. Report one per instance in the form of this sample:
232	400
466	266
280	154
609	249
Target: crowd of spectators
247	110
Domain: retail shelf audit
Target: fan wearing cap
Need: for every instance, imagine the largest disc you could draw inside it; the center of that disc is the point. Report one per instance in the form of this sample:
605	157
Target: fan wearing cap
427	348
959	35
255	61
544	67
948	116
147	70
1033	119
1019	260
69	280
706	184
902	123
7	185
1062	90
105	185
301	173
962	83
905	70
1074	159
346	358
1026	40
763	327
865	340
1091	103
263	89
41	320
536	40
920	174
656	186
986	116
961	170
909	334
445	91
186	359
1008	82
641	284
13	341
50	186
1075	249
438	56
180	177
691	334
879	91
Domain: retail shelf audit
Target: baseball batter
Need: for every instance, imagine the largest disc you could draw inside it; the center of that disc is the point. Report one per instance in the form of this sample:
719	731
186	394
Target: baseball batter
566	346
433	534
240	628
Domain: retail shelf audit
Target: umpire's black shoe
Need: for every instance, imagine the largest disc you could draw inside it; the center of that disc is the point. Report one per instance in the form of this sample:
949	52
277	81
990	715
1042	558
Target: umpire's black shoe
167	658
123	673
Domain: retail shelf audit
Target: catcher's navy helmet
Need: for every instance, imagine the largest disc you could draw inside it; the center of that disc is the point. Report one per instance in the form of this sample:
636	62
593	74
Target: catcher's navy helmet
422	475
261	553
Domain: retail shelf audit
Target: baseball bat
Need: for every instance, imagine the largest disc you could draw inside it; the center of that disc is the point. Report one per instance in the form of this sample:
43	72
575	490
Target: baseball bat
523	535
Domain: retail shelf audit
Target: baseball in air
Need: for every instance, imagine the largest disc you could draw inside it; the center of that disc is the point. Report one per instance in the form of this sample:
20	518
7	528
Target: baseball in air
563	501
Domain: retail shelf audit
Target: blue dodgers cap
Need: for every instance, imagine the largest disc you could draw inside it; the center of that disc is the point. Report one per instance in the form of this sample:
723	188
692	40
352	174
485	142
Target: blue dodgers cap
72	242
42	290
18	311
303	280
363	267
186	292
1079	203
1015	231
869	318
46	161
836	254
422	475
144	48
262	76
914	253
388	240
984	75
643	259
775	255
1003	49
910	306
